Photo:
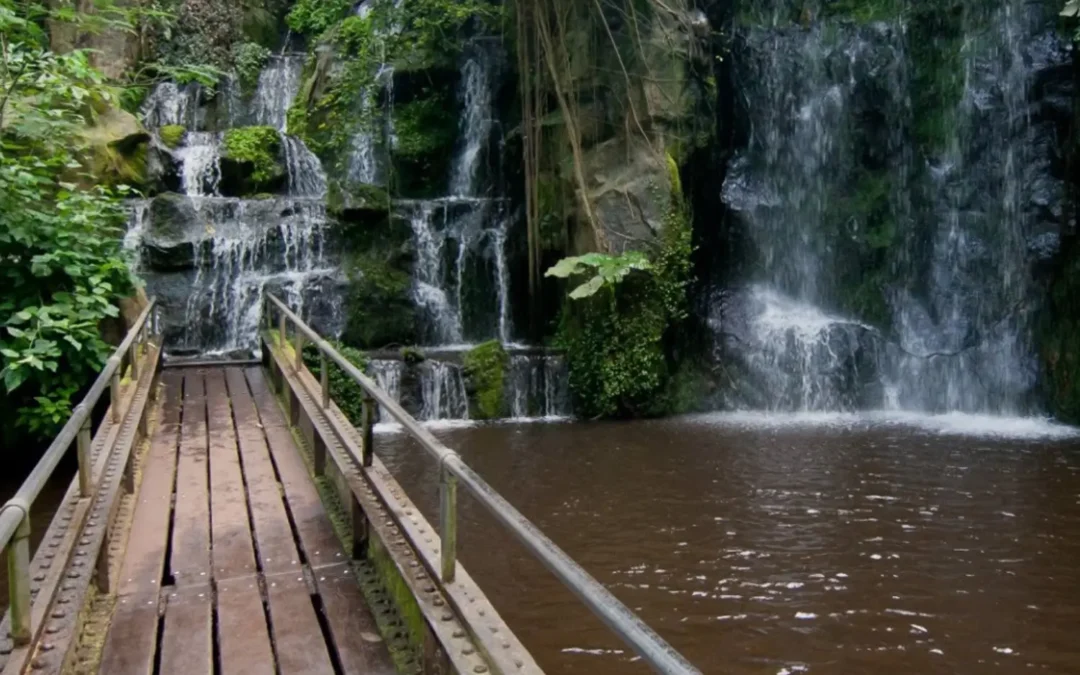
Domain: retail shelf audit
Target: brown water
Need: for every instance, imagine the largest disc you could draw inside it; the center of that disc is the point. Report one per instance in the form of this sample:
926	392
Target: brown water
756	547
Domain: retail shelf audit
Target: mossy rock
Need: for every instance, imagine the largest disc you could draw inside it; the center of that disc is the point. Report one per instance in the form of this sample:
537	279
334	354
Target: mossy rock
358	202
379	306
426	135
485	367
116	149
172	135
251	161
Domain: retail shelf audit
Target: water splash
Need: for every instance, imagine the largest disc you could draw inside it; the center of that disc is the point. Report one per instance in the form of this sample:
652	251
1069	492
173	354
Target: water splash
387	374
305	176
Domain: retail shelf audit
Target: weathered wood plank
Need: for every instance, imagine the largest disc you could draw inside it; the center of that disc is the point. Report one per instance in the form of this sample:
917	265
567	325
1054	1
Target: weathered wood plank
132	640
298	638
273	534
144	559
191	520
242	633
317	537
356	638
233	550
187	641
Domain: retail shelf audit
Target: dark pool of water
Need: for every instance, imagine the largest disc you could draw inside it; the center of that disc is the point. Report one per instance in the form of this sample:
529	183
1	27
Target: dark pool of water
829	545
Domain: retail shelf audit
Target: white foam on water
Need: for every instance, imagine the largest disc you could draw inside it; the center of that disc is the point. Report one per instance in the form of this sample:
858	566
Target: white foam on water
946	424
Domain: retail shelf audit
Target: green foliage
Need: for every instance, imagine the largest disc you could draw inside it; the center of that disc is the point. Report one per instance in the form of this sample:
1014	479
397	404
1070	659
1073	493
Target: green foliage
249	59
314	17
344	390
414	35
172	135
412	355
380	309
258	146
63	270
486	366
614	334
607	270
1072	11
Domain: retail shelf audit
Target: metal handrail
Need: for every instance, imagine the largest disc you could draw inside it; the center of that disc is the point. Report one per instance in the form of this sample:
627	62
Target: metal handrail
15	513
656	652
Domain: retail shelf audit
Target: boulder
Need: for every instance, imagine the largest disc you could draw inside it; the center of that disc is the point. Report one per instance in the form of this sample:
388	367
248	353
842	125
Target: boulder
115	147
630	191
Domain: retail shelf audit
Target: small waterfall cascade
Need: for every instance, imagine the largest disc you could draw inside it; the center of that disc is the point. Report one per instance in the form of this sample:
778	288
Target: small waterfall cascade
368	154
462	279
209	257
845	192
388	374
279	83
443	393
537	387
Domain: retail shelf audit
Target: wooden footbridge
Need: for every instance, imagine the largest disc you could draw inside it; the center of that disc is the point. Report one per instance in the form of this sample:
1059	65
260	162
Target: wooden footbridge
230	519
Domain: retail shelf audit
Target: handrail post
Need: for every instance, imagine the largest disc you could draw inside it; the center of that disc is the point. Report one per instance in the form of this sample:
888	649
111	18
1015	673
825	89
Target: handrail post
448	523
368	431
114	396
133	356
19	579
324	379
83	450
281	329
299	346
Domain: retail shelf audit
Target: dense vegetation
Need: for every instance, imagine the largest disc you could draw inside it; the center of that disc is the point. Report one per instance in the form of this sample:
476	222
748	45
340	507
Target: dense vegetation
63	272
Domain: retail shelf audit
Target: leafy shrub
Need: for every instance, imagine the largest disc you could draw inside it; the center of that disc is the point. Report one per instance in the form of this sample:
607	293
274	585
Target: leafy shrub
63	270
249	58
259	146
344	390
614	326
314	17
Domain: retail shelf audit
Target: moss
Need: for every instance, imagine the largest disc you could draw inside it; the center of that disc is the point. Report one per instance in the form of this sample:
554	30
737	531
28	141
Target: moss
425	141
412	355
251	161
172	135
357	201
343	389
485	365
379	307
249	58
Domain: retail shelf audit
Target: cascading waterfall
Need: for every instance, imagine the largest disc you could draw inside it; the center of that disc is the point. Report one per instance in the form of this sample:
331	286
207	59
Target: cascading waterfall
443	394
216	255
200	159
367	154
279	83
387	374
537	387
475	124
831	111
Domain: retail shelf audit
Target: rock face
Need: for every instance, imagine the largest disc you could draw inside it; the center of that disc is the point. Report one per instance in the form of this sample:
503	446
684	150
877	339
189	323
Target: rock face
630	119
116	148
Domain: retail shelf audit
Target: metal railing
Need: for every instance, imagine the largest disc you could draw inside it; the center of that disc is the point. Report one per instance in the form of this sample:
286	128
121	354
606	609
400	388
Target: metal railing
15	513
661	656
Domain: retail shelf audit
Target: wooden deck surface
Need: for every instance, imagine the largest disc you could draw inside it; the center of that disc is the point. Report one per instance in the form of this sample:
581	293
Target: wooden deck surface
232	564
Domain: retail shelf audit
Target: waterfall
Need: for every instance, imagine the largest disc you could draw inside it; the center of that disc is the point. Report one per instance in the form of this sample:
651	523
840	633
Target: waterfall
200	160
536	386
387	374
247	254
279	83
138	220
443	394
842	199
210	258
368	148
475	125
305	176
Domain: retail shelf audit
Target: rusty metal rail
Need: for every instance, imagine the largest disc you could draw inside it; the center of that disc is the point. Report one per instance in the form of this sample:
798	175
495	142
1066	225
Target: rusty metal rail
15	514
656	652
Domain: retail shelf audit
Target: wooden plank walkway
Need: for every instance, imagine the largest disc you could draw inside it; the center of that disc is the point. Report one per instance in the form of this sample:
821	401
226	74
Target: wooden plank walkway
232	565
